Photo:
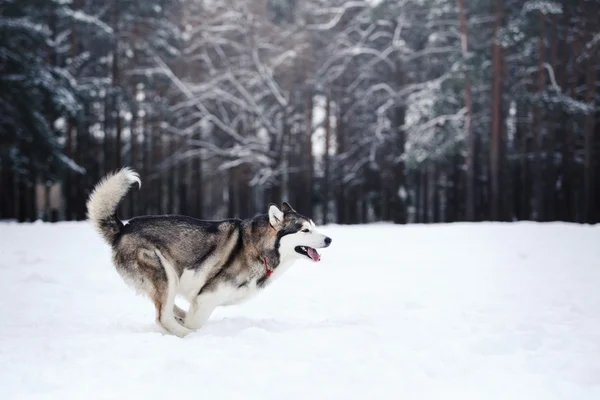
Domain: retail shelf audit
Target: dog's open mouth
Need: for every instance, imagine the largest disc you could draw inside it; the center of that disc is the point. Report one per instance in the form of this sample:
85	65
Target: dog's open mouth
308	252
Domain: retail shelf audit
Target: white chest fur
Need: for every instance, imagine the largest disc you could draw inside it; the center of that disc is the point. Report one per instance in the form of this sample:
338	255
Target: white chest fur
192	281
229	295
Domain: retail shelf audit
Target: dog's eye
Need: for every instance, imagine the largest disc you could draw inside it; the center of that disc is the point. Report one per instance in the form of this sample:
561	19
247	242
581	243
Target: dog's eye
304	230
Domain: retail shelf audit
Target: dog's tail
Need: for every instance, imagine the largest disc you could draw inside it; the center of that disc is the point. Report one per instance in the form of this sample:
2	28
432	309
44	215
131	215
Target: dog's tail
104	200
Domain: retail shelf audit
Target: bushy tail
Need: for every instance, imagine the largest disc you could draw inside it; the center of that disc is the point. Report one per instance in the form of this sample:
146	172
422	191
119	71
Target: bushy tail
104	200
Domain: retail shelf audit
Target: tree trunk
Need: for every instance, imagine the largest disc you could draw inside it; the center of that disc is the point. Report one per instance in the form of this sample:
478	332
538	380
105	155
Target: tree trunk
106	140
134	197
182	180
550	177
588	147
538	205
434	193
244	191
417	198
454	212
69	145
32	200
504	164
327	177
197	183
384	199
158	157
569	145
47	208
564	203
363	204
469	162
398	190
522	188
308	154
116	83
341	132
232	202
22	199
496	117
134	132
482	179
68	187
84	157
595	205
7	199
425	196
148	143
171	176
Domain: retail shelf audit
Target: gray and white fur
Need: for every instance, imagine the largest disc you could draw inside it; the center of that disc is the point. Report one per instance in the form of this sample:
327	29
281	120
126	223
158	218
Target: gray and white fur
209	263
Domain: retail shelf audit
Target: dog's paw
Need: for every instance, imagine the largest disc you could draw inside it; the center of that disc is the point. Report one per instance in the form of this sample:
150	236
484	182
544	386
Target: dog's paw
180	331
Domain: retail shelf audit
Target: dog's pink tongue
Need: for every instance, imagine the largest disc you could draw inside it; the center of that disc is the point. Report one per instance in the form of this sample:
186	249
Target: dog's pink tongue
313	254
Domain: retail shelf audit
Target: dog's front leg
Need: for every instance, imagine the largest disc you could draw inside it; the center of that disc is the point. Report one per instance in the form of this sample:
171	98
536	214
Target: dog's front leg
200	311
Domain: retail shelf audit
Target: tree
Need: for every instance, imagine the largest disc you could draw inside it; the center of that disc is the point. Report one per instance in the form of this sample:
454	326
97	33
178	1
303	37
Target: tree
36	92
403	111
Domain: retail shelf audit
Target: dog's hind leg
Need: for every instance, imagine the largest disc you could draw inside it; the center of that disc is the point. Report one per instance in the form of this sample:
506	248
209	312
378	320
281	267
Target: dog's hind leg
165	300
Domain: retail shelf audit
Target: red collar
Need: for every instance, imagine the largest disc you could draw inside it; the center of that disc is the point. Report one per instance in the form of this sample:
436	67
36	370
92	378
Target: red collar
269	269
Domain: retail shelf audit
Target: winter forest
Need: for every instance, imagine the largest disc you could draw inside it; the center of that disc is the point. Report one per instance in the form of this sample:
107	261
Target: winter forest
354	111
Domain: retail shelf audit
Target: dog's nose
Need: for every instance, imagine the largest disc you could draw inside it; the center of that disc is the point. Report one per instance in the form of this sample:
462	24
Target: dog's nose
327	241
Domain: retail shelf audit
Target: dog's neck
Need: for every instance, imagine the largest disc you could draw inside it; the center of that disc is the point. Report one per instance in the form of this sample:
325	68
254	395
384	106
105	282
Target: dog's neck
267	267
270	258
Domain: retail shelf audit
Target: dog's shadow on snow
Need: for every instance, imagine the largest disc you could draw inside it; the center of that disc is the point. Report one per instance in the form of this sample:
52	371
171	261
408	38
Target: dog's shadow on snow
233	326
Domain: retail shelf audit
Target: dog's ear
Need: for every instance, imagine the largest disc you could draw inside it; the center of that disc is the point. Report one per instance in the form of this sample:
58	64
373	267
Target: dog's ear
275	215
285	207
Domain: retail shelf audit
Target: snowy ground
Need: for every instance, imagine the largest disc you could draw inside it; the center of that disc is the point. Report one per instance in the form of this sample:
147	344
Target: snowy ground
488	311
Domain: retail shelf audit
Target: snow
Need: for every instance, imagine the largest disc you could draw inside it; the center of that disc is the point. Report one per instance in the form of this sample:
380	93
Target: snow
459	311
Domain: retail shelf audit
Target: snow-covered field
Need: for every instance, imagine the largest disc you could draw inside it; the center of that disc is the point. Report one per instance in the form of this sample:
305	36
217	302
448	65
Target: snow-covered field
484	311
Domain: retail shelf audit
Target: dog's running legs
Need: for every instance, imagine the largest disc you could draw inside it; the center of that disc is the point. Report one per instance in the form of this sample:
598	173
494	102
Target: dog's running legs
165	306
179	314
200	311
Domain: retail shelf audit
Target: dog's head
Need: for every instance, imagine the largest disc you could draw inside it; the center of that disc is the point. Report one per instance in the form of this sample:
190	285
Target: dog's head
297	235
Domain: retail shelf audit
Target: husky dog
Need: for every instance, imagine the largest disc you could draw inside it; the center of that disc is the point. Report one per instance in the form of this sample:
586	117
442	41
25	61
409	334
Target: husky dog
209	263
